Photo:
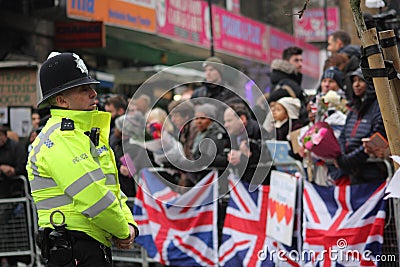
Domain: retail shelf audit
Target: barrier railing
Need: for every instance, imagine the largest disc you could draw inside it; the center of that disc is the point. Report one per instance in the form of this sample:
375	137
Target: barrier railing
17	225
18	222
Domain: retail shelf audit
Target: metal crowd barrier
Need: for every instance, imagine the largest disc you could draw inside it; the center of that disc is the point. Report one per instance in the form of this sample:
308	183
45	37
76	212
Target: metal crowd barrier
136	254
17	224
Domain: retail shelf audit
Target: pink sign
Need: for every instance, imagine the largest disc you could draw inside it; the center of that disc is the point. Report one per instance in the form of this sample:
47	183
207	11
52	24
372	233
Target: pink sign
184	20
311	27
239	35
279	41
310	59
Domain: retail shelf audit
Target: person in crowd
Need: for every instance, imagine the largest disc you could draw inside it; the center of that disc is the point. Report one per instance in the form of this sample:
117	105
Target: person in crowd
340	42
272	129
116	105
283	118
141	104
288	70
162	149
338	60
246	143
287	74
214	86
181	114
289	67
12	164
260	109
209	145
11	153
163	98
13	135
128	128
72	173
332	79
331	102
185	91
35	120
363	120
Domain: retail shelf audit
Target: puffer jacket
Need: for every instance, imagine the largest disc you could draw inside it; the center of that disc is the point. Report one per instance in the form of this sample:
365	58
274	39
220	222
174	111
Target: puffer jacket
363	120
283	69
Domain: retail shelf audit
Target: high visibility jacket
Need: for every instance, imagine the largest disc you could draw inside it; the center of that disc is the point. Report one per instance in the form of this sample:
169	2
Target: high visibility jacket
67	172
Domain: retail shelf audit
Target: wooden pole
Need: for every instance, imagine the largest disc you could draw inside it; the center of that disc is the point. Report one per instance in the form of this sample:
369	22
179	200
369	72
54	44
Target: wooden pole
390	111
390	53
386	96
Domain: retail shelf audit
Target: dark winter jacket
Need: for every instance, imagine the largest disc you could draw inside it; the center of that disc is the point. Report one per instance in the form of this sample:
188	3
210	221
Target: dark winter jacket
221	140
215	91
354	54
247	168
285	75
363	120
283	69
220	92
12	153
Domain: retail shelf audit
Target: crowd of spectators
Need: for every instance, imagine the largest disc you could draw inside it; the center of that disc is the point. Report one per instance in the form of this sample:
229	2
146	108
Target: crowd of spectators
228	133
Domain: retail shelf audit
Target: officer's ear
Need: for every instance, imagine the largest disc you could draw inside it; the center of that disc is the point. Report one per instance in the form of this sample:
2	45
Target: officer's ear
61	101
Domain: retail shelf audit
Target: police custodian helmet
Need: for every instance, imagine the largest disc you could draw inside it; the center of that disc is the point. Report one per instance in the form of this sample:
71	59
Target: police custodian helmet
62	71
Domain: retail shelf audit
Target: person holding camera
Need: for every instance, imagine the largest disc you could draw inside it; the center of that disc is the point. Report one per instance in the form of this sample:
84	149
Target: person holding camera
72	172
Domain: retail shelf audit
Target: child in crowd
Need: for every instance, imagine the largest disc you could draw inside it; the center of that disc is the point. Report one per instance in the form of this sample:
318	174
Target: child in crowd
283	118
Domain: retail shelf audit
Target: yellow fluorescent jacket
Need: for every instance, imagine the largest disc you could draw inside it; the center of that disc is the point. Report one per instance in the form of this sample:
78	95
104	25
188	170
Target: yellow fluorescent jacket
68	173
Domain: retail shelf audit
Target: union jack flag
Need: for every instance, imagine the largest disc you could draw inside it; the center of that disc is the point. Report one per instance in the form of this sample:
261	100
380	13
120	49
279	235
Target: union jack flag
343	224
244	239
178	229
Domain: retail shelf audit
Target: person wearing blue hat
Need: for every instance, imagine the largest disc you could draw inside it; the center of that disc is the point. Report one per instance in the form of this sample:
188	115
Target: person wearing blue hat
332	79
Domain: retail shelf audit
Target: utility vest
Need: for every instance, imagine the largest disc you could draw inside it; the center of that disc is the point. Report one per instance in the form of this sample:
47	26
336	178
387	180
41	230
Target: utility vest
70	172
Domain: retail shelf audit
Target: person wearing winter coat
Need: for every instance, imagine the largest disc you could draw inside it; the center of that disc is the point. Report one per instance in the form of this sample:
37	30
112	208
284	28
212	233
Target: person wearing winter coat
363	120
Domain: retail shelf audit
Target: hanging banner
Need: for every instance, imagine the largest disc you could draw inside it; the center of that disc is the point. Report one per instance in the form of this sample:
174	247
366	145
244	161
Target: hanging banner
279	41
311	27
238	35
310	59
187	21
114	12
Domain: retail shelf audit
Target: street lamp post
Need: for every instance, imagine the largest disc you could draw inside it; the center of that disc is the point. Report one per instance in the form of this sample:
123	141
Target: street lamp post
211	28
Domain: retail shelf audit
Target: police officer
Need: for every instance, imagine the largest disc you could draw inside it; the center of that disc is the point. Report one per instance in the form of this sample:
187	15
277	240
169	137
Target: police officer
72	171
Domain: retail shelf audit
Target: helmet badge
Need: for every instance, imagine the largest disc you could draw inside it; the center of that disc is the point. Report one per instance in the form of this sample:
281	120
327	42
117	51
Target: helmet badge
80	64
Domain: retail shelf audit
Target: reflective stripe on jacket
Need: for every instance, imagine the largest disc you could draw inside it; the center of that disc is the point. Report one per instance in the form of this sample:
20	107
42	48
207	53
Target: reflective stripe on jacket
67	172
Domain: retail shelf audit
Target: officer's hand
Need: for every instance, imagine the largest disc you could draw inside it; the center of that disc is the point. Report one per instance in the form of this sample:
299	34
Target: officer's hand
127	242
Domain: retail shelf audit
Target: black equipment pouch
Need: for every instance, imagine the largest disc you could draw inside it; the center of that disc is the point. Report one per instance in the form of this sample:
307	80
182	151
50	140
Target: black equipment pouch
44	242
94	135
59	250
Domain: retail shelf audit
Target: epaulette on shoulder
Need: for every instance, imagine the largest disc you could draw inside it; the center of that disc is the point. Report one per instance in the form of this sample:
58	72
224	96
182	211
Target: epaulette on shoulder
67	124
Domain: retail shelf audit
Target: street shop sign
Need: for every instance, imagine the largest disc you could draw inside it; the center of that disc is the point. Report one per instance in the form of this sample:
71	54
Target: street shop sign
79	34
18	86
117	13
